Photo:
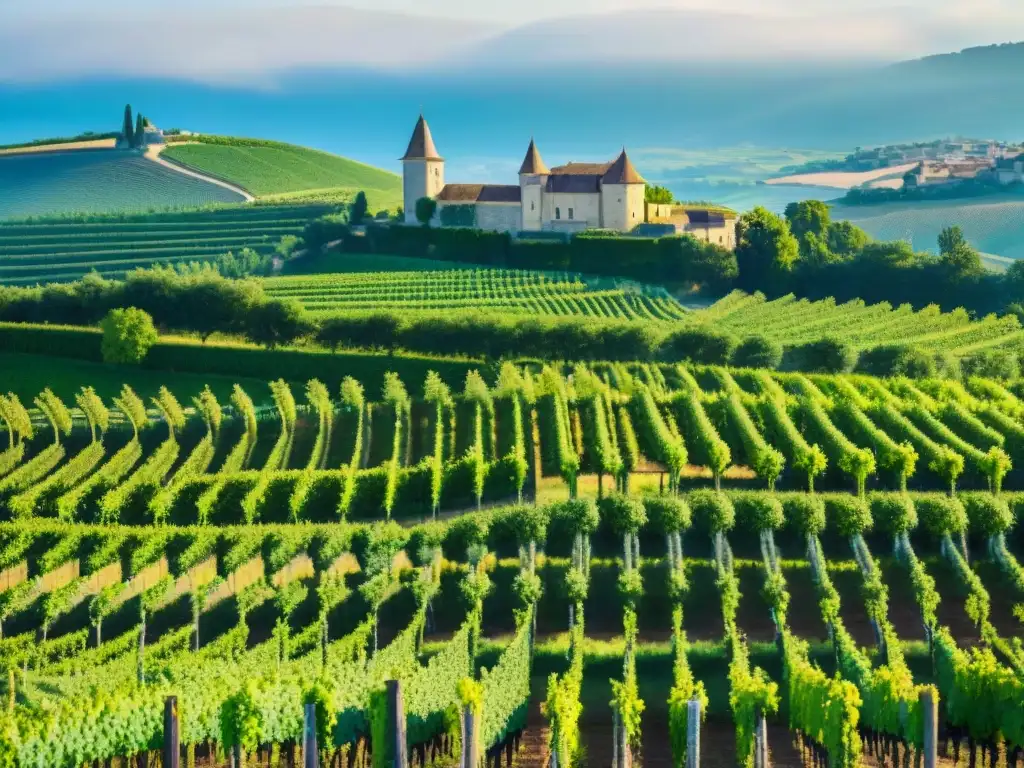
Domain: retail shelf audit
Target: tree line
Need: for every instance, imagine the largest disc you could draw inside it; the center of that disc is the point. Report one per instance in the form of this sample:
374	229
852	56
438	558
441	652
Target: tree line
204	303
806	253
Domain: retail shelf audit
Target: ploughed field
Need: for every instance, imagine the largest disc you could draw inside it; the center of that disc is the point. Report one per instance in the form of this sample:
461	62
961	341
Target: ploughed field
61	250
248	557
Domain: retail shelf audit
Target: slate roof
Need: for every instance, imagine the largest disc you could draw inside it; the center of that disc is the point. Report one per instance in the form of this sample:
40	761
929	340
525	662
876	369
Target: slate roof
574	183
481	193
421	145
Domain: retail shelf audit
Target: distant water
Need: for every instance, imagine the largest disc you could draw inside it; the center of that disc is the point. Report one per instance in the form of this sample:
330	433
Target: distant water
743	197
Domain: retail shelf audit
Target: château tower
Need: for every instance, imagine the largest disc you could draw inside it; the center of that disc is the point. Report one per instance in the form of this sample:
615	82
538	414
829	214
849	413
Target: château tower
533	176
422	170
622	195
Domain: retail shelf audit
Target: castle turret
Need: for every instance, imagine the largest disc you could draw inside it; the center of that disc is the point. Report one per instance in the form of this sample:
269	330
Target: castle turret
422	169
622	195
533	176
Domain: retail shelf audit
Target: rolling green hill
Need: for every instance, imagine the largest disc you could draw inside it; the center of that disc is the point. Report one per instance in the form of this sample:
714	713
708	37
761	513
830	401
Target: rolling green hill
271	169
106	181
64	249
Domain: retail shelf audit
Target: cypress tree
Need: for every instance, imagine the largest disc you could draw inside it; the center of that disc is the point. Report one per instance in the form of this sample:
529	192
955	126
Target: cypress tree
127	131
140	130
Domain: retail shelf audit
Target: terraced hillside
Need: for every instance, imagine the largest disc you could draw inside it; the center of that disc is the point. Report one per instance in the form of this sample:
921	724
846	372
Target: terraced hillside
198	554
270	168
103	181
792	321
496	290
59	250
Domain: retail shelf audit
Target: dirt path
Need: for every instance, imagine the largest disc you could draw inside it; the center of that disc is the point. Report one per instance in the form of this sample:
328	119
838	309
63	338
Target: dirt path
533	749
153	152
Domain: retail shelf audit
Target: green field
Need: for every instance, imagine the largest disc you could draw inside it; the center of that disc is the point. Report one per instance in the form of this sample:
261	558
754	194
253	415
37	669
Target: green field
266	168
64	249
99	181
493	290
790	321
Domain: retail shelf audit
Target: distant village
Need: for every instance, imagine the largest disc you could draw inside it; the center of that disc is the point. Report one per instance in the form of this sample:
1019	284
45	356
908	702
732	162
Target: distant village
953	162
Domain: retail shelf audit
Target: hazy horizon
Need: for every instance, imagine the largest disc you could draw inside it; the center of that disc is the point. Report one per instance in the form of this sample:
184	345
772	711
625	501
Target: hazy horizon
231	41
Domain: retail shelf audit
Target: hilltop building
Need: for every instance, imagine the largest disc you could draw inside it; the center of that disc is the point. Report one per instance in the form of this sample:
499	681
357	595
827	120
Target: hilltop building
567	198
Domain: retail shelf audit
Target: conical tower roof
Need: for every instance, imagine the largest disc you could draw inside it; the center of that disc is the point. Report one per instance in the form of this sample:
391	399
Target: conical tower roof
421	145
533	163
622	172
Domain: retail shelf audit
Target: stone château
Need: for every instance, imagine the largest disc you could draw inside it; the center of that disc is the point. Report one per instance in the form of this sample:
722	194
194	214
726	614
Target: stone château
567	198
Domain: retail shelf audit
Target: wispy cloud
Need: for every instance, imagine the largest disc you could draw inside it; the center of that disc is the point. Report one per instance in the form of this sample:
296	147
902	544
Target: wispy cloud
255	40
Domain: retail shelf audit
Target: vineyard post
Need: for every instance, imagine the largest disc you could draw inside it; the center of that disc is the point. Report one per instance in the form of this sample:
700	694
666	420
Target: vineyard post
172	745
693	733
615	738
396	723
470	738
760	740
310	753
930	710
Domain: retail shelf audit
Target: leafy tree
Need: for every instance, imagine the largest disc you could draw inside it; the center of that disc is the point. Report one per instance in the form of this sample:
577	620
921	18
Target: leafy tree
1013	281
128	129
128	335
357	211
706	264
958	257
707	346
814	251
992	364
897	360
827	355
846	239
658	195
287	246
757	352
809	217
273	323
766	250
426	207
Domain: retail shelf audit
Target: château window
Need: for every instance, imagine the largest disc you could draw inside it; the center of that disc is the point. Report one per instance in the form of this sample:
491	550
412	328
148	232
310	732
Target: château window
570	214
532	206
558	213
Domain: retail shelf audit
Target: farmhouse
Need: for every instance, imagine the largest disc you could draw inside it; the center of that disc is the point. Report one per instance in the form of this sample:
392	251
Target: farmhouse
567	198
